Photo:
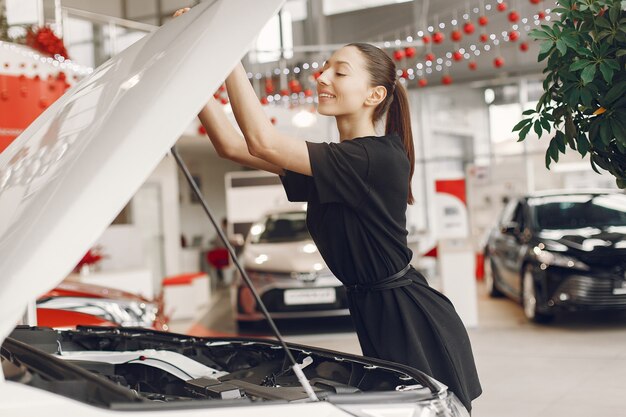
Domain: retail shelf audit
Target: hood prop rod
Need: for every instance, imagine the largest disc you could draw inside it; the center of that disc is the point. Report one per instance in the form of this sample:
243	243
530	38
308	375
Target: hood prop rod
295	366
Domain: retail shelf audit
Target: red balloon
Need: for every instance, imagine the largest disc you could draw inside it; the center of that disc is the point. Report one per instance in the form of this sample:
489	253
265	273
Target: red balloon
438	37
457	56
483	20
224	101
498	62
284	92
513	17
472	65
308	92
222	88
398	55
405	74
513	35
201	130
523	46
422	82
264	101
216	96
468	28
446	80
429	56
501	7
535	1
541	15
484	37
456	35
426	39
317	74
273	120
409	52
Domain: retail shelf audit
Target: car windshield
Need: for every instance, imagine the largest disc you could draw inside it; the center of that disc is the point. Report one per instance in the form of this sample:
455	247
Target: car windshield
579	211
281	227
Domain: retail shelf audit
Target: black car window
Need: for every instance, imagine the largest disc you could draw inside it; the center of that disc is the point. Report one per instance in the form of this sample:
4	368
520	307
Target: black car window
282	227
579	211
519	216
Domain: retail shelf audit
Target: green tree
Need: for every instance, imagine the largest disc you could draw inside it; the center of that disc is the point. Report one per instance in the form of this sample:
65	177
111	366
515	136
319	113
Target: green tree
584	103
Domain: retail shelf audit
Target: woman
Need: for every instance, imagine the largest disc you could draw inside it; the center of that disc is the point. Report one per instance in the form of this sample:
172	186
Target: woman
357	193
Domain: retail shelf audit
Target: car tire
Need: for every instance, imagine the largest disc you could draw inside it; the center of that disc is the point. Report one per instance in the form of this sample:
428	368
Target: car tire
529	298
490	280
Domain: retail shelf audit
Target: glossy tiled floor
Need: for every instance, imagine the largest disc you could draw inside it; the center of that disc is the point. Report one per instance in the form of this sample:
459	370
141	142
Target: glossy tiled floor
574	367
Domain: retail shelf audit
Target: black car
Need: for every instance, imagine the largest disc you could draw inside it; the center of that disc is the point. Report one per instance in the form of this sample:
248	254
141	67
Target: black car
560	251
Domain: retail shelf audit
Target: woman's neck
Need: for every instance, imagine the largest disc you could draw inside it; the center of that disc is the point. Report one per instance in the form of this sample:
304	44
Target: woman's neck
352	126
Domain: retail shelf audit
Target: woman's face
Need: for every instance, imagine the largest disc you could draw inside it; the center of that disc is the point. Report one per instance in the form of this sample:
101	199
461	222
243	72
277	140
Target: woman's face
344	84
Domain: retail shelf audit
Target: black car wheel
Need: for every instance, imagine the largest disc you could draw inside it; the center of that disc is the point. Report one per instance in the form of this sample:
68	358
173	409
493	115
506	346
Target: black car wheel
490	279
529	298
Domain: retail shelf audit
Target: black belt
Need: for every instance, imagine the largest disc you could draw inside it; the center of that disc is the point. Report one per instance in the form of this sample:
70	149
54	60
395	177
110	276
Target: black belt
388	283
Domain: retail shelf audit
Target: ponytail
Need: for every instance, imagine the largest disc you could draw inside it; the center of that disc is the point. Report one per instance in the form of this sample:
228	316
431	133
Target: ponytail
382	71
399	121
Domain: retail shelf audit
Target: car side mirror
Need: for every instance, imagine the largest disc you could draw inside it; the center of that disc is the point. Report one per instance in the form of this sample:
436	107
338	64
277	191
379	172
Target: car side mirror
511	228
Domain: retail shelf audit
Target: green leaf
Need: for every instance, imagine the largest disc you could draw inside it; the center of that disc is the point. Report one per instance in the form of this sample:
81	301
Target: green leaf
612	63
545	46
529	112
559	138
545	124
621	182
607	72
561	46
620	53
582	144
614	14
605	132
588	73
537	128
585	96
548	159
617	91
524	132
602	22
539	34
619	131
580	64
554	152
521	124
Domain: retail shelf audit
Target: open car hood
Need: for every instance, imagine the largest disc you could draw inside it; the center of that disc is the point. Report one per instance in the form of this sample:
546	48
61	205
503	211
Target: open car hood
67	176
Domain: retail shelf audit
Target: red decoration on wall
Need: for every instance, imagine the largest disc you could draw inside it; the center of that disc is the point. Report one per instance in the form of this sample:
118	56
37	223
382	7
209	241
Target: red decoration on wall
405	74
398	55
446	80
457	56
535	1
201	130
224	101
438	37
523	46
264	101
498	62
501	7
429	56
308	92
513	35
284	92
541	15
469	28
513	17
294	86
484	37
472	65
409	52
456	35
269	86
422	82
483	20
426	39
45	41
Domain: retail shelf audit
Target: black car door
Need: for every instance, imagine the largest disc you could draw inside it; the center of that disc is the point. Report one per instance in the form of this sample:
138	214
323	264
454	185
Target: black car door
511	244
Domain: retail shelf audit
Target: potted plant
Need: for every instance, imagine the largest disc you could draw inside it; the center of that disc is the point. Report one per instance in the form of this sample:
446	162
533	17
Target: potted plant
584	98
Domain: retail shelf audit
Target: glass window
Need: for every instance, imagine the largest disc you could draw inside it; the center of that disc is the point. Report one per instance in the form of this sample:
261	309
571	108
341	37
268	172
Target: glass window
283	227
579	211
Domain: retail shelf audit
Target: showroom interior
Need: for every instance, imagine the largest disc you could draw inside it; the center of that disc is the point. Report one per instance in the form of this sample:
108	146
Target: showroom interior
532	258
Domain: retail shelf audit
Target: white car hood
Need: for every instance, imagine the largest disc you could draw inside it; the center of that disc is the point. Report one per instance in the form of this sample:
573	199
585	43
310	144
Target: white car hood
65	178
284	257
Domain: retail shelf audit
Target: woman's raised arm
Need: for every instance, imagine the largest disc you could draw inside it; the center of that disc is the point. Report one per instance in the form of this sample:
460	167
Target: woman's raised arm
263	140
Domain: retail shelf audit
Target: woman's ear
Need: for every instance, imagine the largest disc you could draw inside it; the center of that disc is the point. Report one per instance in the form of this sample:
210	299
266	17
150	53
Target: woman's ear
376	96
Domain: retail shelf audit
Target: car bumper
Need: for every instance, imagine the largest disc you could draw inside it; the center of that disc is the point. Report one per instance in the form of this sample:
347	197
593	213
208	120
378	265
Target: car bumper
582	292
274	300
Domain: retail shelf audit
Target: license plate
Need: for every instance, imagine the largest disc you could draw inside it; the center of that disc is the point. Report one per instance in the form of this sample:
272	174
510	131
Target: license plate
309	296
619	288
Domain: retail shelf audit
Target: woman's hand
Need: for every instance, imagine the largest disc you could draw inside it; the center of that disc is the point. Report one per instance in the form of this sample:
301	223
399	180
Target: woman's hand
181	11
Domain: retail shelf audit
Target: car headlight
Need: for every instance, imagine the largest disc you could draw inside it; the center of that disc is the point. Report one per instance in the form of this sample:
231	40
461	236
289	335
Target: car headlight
558	259
123	312
450	406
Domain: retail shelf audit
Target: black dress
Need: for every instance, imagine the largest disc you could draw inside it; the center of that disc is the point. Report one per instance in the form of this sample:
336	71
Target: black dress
357	217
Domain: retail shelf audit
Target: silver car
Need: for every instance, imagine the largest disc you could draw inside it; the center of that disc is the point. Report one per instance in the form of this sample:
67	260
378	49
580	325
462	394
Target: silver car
287	271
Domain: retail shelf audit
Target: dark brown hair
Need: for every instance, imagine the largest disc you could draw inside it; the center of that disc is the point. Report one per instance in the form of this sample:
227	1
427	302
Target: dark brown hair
382	71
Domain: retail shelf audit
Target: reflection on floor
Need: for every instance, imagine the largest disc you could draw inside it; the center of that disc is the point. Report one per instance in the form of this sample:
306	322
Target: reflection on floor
573	367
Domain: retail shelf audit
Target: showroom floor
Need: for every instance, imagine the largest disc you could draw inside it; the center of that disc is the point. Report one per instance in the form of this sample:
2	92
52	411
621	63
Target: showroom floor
573	367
